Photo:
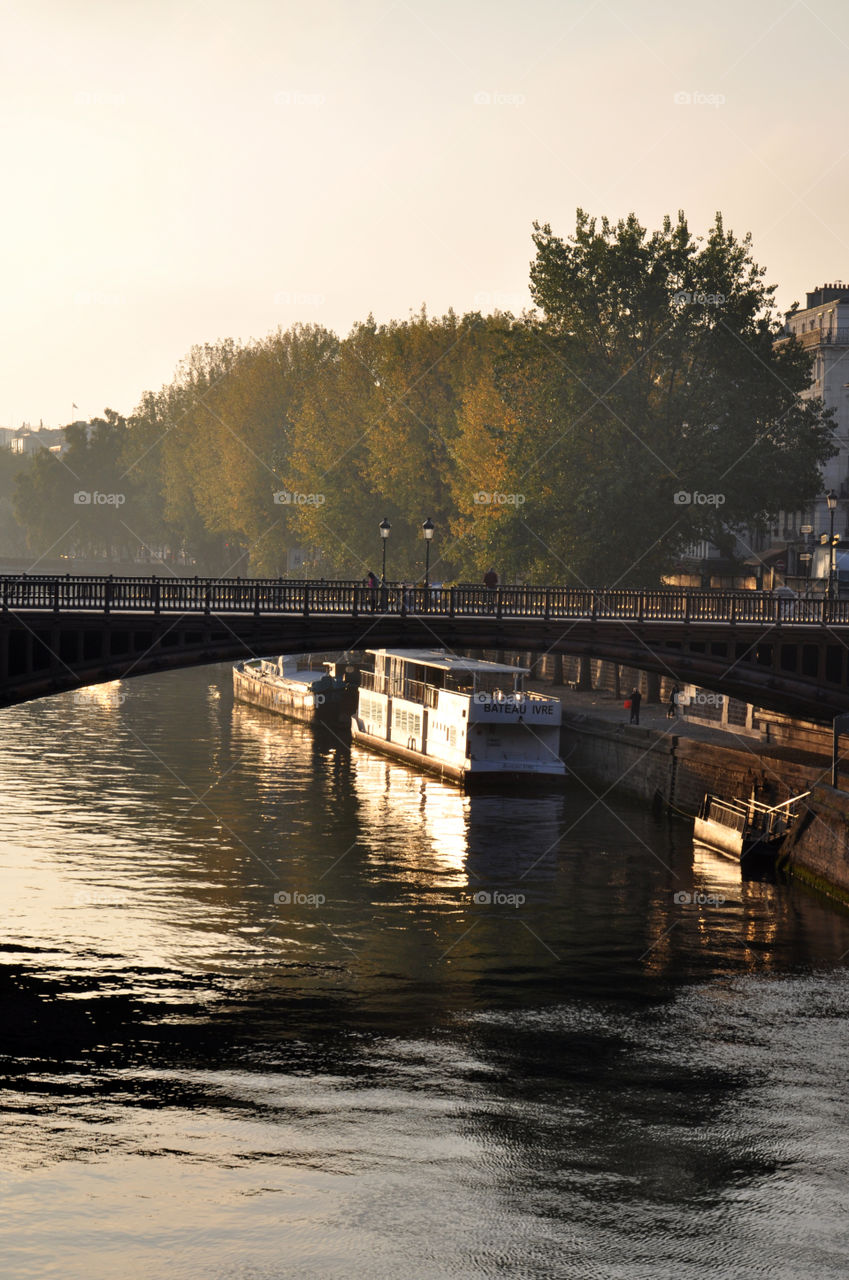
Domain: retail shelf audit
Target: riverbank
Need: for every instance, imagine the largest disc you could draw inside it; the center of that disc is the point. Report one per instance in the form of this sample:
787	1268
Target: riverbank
672	763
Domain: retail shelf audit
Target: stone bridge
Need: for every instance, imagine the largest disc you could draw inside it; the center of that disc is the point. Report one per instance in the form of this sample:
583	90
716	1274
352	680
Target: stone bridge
59	633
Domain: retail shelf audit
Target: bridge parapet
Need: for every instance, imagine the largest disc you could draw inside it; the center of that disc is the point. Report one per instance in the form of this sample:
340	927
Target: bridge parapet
276	597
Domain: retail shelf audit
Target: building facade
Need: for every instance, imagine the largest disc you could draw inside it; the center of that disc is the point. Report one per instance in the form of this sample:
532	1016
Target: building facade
822	327
794	547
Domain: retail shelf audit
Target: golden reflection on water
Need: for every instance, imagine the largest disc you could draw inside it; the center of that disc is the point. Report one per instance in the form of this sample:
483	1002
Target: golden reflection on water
421	805
108	696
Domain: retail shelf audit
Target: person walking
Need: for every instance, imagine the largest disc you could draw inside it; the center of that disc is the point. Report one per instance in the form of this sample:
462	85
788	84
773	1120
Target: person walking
636	699
490	579
672	710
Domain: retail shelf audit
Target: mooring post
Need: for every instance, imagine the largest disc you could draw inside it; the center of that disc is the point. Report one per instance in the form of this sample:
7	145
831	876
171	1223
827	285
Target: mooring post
841	725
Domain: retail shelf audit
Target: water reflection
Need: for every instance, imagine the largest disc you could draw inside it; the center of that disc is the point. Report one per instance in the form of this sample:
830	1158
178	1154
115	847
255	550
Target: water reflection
245	973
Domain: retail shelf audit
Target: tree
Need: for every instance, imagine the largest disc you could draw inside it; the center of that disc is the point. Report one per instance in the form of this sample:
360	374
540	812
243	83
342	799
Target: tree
680	415
82	503
374	438
13	538
508	411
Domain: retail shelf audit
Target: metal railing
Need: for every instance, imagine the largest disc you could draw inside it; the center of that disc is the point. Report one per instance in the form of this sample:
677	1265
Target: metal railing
753	815
273	596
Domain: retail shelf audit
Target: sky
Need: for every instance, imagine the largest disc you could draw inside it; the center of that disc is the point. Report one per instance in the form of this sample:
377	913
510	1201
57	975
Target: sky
179	172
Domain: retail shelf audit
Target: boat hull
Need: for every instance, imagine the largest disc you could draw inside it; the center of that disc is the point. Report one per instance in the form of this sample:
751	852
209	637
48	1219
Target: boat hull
482	778
733	844
293	700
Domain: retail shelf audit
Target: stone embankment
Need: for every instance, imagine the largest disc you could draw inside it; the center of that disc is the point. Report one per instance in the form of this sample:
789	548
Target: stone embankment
674	762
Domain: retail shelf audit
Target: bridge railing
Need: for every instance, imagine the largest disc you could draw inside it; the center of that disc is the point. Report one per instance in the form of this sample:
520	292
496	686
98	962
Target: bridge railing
284	596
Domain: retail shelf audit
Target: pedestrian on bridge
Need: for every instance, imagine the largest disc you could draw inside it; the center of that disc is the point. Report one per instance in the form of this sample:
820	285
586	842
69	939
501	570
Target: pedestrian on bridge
636	698
490	579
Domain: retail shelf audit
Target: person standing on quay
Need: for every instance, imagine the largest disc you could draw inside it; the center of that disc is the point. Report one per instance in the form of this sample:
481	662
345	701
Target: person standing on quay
636	699
672	710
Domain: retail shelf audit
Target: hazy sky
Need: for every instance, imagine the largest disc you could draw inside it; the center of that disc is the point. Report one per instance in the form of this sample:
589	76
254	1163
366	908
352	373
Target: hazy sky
178	172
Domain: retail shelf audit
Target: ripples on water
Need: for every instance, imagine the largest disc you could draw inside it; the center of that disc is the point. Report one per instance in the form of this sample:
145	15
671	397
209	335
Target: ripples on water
383	1076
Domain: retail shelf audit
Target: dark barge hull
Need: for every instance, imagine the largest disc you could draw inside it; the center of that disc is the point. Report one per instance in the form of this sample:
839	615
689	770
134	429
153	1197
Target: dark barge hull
325	706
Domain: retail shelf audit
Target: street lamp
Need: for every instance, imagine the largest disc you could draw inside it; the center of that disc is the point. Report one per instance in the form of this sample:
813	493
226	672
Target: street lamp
831	499
427	529
384	528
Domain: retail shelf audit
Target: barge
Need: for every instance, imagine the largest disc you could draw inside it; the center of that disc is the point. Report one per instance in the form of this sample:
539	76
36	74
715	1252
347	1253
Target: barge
466	720
288	685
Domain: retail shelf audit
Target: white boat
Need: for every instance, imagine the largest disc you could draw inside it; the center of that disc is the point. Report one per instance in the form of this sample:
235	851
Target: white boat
292	687
467	720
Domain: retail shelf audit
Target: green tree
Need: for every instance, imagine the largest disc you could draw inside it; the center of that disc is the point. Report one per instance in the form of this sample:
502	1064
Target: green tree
376	438
13	537
672	384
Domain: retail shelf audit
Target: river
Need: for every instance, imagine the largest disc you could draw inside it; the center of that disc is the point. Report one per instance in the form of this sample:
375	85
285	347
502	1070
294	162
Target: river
274	1007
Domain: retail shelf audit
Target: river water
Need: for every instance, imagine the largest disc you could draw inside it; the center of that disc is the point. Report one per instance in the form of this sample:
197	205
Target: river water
274	1007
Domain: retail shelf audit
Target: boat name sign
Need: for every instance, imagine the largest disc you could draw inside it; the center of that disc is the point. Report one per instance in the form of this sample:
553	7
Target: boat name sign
489	708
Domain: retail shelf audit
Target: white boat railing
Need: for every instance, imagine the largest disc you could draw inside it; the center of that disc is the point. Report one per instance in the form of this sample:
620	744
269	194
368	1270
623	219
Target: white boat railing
752	815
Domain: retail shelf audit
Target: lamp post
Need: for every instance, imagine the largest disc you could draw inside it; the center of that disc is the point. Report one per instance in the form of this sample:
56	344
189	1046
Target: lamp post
805	556
427	530
384	528
831	499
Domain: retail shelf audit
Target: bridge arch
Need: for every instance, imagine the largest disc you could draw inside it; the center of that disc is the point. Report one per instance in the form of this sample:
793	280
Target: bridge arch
61	634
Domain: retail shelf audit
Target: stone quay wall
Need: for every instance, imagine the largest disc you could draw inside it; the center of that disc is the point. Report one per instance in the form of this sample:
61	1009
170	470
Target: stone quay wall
675	773
666	769
817	849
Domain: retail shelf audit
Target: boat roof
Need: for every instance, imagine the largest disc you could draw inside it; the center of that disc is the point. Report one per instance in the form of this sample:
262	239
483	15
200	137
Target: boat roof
443	661
289	675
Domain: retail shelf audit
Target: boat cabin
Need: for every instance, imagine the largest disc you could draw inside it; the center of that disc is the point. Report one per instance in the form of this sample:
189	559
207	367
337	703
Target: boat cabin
457	716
